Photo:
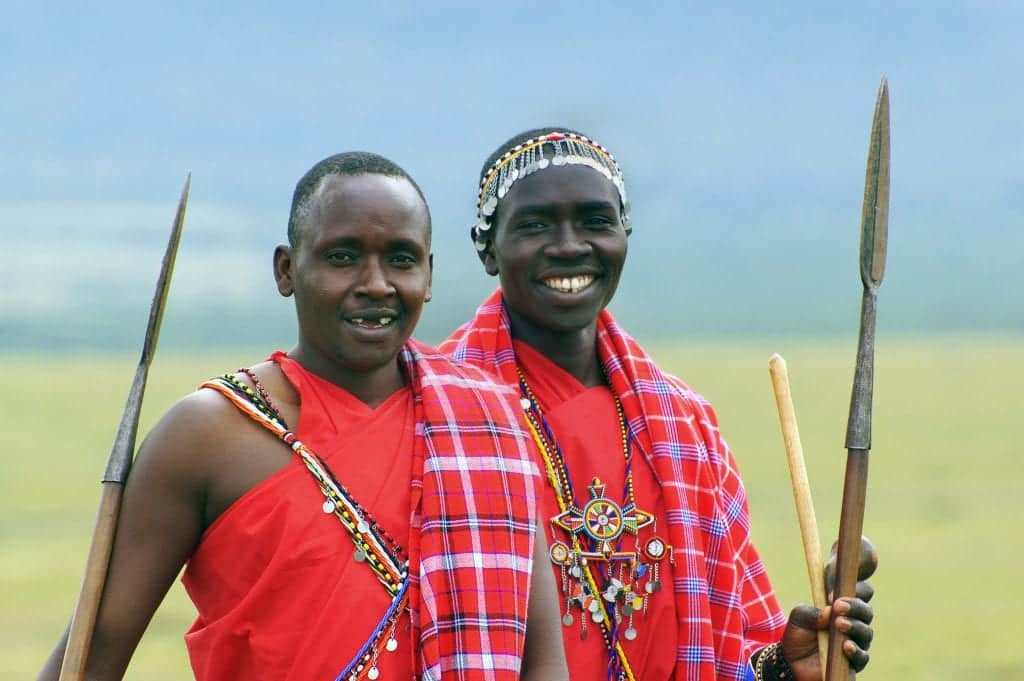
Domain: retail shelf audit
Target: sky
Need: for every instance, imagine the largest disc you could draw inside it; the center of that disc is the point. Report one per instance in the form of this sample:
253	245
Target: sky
742	132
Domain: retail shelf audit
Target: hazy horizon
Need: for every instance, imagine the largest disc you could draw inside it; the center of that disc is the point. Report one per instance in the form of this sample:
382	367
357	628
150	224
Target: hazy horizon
742	132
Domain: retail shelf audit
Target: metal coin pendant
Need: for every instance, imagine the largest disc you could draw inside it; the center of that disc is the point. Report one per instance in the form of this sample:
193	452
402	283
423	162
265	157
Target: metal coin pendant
391	646
374	673
627	609
575	571
597	616
657	585
649	587
360	556
568	619
630	634
329	506
363	527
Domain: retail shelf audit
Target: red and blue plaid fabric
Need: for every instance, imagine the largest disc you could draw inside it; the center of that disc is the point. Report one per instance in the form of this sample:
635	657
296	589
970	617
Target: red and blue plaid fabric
478	505
724	600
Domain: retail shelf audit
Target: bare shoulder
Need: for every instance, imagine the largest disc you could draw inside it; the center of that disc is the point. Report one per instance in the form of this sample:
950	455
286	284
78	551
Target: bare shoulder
207	449
181	443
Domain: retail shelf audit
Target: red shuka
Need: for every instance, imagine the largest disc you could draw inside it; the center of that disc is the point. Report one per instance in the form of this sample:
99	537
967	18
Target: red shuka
596	451
278	592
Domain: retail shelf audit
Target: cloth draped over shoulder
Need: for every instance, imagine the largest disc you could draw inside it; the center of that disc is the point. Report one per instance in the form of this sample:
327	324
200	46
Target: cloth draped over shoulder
471	529
726	608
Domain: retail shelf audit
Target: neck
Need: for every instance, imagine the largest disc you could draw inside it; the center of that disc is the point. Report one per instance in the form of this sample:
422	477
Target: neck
574	351
370	386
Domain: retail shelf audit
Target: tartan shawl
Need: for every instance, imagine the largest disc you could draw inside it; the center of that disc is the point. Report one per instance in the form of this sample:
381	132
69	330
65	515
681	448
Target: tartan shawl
474	534
725	605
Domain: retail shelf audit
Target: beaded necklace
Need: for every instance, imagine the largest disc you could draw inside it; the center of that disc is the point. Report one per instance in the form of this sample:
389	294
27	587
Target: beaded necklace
596	533
374	546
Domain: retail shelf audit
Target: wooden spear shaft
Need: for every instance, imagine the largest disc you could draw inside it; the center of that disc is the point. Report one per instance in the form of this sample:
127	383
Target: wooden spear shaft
801	491
83	622
873	241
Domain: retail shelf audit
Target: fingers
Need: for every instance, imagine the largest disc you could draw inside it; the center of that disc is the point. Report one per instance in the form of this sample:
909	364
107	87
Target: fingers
866	565
808	617
858	658
868	559
800	639
865	591
854	608
853	618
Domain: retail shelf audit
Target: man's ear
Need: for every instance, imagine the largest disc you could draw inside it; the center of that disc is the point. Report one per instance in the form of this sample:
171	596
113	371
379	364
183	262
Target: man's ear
283	270
486	256
430	279
488	259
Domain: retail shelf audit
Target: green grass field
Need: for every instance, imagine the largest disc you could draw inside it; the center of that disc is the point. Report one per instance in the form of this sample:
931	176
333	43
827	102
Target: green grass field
945	499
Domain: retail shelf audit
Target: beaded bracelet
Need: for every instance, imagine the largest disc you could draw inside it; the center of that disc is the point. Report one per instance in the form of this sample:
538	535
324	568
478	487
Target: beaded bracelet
771	665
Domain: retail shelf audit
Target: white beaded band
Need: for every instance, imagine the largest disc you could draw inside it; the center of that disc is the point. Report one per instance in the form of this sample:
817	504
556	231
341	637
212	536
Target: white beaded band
536	154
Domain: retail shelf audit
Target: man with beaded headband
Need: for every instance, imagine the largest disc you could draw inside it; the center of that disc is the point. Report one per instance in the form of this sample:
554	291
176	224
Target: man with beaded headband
359	507
648	522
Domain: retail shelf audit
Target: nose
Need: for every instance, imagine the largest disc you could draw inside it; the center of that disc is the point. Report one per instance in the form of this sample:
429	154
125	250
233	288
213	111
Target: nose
374	281
567	243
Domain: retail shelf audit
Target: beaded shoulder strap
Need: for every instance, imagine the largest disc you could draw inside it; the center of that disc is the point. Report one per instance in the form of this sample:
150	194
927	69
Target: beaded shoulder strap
374	546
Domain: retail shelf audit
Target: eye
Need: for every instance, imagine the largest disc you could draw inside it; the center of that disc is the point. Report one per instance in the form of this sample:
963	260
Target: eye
599	222
531	225
340	257
403	260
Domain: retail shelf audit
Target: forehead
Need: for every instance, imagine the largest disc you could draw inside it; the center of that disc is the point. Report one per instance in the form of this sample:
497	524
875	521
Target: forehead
367	205
560	186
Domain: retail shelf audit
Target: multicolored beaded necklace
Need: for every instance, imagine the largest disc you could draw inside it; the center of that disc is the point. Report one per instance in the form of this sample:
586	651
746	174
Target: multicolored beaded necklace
596	530
374	546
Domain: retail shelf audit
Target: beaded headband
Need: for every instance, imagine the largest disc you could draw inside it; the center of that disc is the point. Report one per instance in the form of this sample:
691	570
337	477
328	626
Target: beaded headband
562	148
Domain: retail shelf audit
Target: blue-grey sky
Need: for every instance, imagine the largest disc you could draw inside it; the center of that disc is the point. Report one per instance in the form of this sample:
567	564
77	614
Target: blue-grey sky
742	131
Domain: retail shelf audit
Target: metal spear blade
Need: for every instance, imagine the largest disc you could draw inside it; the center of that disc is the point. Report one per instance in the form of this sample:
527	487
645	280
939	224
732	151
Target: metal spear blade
120	460
874	230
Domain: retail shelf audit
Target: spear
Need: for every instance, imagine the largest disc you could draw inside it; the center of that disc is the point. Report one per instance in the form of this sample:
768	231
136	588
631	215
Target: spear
873	237
83	622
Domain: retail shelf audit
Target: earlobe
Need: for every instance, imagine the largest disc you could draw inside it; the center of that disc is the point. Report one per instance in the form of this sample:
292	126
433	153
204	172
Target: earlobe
283	270
489	261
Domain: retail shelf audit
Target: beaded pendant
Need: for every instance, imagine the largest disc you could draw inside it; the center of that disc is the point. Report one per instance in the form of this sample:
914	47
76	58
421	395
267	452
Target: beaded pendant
608	584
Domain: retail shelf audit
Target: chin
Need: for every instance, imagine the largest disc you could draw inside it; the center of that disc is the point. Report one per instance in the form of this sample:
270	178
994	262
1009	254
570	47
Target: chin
562	320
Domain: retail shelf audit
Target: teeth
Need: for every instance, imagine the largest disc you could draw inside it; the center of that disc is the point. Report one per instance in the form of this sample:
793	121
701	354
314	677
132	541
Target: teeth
570	284
383	321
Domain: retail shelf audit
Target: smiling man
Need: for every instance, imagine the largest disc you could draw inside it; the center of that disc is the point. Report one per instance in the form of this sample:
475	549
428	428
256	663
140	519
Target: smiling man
648	524
357	507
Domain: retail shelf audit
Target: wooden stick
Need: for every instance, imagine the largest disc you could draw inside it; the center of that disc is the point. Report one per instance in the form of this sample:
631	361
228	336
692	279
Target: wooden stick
801	492
83	622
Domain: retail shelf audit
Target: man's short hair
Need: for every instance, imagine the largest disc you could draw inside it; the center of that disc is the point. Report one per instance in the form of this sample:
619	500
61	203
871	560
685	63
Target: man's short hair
348	163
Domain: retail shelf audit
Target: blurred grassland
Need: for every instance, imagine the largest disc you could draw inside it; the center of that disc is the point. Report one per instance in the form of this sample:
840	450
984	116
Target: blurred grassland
945	498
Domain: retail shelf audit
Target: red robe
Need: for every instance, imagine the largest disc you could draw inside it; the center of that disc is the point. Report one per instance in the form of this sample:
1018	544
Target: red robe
596	451
725	608
278	592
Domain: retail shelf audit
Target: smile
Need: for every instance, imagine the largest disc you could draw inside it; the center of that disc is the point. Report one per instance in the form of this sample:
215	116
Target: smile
570	284
368	323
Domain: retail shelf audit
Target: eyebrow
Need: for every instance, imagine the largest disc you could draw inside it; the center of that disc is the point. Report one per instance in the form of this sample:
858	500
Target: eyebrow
589	206
394	244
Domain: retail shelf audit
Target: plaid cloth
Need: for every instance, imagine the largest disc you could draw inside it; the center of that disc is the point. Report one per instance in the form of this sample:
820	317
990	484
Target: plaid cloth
725	603
474	545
